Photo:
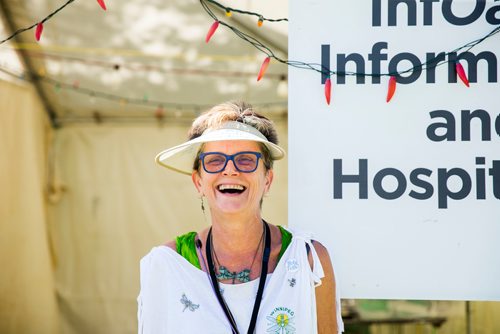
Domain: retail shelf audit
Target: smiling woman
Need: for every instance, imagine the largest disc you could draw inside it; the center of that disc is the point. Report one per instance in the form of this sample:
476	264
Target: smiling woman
242	274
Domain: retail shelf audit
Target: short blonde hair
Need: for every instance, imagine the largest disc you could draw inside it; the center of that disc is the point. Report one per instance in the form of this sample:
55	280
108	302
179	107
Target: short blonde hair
237	111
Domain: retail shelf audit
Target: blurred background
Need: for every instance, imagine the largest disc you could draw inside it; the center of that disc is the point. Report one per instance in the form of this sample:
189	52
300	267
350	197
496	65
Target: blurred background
84	111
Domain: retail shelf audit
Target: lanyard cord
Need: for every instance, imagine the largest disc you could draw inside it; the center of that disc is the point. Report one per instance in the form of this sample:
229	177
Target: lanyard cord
263	277
262	282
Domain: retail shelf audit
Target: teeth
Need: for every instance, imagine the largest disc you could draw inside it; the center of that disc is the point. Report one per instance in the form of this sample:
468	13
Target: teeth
230	186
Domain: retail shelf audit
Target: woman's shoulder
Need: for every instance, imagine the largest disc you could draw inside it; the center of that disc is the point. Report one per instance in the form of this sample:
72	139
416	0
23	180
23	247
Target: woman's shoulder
156	257
186	246
172	244
175	245
298	233
183	239
309	239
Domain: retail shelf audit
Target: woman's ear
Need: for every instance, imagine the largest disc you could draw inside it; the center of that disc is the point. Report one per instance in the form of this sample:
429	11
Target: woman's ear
269	180
196	178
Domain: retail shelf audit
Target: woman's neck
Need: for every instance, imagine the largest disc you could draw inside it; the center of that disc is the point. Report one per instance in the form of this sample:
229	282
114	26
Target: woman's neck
238	235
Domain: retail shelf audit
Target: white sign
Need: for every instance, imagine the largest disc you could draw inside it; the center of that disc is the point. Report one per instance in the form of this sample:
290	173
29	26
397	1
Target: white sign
405	194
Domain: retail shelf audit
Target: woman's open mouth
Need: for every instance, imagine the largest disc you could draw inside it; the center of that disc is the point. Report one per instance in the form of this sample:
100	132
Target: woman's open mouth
231	188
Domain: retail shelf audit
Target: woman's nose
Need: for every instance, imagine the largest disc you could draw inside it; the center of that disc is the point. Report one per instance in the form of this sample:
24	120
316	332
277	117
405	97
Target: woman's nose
230	168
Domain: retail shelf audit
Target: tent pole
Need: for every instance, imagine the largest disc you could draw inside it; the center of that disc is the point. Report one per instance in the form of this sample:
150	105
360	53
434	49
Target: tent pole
28	65
468	319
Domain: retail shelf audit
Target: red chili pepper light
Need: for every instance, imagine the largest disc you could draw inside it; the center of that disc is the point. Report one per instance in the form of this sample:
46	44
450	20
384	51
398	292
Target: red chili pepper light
263	68
38	31
102	4
461	73
391	89
328	90
211	31
160	113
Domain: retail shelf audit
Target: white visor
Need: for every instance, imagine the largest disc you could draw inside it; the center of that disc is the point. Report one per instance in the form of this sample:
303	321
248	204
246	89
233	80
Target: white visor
181	158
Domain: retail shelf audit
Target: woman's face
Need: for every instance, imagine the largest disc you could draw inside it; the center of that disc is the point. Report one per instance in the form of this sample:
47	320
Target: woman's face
231	191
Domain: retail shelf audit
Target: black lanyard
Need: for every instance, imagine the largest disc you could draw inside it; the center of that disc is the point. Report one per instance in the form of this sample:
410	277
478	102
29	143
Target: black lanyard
262	282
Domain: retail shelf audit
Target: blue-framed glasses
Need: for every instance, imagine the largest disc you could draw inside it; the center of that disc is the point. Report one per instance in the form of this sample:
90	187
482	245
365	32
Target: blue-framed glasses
216	162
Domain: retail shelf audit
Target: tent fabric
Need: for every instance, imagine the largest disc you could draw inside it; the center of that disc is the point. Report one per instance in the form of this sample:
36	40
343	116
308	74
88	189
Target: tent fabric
27	299
115	204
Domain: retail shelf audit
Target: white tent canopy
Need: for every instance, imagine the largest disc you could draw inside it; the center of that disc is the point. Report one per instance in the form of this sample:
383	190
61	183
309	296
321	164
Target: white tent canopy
138	56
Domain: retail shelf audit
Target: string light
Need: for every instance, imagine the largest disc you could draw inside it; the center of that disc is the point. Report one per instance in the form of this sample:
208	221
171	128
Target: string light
263	68
102	4
211	31
93	94
461	73
270	54
244	12
328	72
263	48
138	66
328	90
48	17
228	13
160	113
39	25
38	31
391	88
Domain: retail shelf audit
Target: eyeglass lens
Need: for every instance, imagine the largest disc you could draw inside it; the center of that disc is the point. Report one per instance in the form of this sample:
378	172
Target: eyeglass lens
243	161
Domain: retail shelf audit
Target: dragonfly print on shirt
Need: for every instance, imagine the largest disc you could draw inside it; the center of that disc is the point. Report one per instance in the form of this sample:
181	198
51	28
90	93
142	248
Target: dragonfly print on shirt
188	304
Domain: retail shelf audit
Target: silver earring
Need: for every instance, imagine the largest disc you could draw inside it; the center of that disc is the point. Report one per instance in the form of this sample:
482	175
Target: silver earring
203	210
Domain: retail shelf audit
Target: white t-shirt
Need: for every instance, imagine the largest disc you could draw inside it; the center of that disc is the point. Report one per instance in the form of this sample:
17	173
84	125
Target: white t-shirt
177	297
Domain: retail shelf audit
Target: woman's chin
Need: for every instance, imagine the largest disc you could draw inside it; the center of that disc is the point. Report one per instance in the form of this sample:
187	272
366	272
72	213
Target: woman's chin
232	207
